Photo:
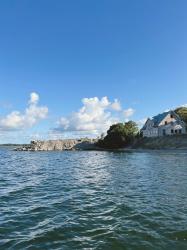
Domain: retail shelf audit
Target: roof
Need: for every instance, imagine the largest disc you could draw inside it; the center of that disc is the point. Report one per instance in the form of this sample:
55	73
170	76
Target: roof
158	118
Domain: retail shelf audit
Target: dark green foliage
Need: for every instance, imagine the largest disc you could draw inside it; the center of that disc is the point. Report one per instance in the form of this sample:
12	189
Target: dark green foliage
119	135
182	112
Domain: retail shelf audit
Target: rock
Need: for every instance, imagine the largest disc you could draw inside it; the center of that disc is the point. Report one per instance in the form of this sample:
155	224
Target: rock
60	145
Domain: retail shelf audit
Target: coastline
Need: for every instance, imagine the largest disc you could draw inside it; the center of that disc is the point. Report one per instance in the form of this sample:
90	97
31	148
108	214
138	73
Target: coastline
85	144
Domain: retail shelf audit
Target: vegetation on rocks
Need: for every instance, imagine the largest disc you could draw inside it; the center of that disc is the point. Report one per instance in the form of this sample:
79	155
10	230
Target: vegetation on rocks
119	135
182	112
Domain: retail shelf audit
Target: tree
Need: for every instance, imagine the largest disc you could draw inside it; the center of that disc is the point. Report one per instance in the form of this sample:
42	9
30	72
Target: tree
182	112
102	136
119	135
131	128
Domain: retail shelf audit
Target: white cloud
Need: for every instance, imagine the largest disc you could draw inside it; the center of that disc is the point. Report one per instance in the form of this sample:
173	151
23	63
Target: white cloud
116	105
64	122
95	116
128	112
32	115
184	105
34	98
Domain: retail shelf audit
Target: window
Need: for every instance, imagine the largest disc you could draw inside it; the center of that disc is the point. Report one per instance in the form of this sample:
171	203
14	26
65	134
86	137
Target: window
166	122
180	131
171	116
164	132
176	131
172	131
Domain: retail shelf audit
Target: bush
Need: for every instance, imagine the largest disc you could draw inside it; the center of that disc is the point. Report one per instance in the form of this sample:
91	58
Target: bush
182	112
119	135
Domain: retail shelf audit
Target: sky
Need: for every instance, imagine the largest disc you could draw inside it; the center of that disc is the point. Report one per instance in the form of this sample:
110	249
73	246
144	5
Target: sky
71	68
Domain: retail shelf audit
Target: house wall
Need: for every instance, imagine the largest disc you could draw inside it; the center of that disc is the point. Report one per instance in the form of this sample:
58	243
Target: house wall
167	125
172	124
153	132
168	129
150	131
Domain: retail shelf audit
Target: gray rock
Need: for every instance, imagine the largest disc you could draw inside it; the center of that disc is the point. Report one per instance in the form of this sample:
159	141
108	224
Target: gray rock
60	145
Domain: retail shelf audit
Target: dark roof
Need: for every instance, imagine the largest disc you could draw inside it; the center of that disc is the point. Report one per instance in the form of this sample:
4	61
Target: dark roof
158	118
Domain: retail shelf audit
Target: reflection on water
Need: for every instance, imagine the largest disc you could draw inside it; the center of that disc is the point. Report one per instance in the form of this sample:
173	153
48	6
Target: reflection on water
93	200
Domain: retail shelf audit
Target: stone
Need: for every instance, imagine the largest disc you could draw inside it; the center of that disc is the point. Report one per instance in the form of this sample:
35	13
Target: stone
60	145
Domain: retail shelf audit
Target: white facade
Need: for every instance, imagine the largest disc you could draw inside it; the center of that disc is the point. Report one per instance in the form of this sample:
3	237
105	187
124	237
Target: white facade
168	123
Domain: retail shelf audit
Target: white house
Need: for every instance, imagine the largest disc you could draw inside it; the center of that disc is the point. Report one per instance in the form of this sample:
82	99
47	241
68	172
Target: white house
167	123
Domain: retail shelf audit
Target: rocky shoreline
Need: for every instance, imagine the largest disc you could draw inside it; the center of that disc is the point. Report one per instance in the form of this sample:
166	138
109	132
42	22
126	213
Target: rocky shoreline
60	145
157	143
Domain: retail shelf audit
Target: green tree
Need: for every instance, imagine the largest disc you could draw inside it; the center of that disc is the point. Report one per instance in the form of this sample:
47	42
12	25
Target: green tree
119	135
182	112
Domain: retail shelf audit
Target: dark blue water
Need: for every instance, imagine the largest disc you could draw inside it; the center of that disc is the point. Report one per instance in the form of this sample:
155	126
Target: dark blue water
93	200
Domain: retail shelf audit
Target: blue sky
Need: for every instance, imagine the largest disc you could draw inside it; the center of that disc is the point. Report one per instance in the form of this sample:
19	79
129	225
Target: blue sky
64	51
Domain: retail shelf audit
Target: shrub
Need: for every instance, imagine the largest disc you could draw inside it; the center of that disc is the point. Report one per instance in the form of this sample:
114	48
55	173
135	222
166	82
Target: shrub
119	135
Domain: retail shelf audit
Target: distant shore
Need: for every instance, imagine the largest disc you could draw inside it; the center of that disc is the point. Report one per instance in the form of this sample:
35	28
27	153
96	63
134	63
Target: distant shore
156	143
60	145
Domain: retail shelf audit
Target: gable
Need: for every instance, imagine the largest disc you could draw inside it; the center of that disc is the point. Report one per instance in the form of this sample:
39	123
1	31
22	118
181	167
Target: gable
160	117
149	124
170	117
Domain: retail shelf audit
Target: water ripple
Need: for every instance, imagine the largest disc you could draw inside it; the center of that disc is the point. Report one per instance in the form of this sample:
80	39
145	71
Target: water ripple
93	200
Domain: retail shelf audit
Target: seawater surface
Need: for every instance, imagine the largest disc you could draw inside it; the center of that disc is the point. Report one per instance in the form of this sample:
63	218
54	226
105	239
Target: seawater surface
93	200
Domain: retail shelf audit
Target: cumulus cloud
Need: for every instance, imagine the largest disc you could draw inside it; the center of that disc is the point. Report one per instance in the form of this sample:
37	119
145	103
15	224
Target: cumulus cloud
95	116
34	98
128	112
31	116
116	105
